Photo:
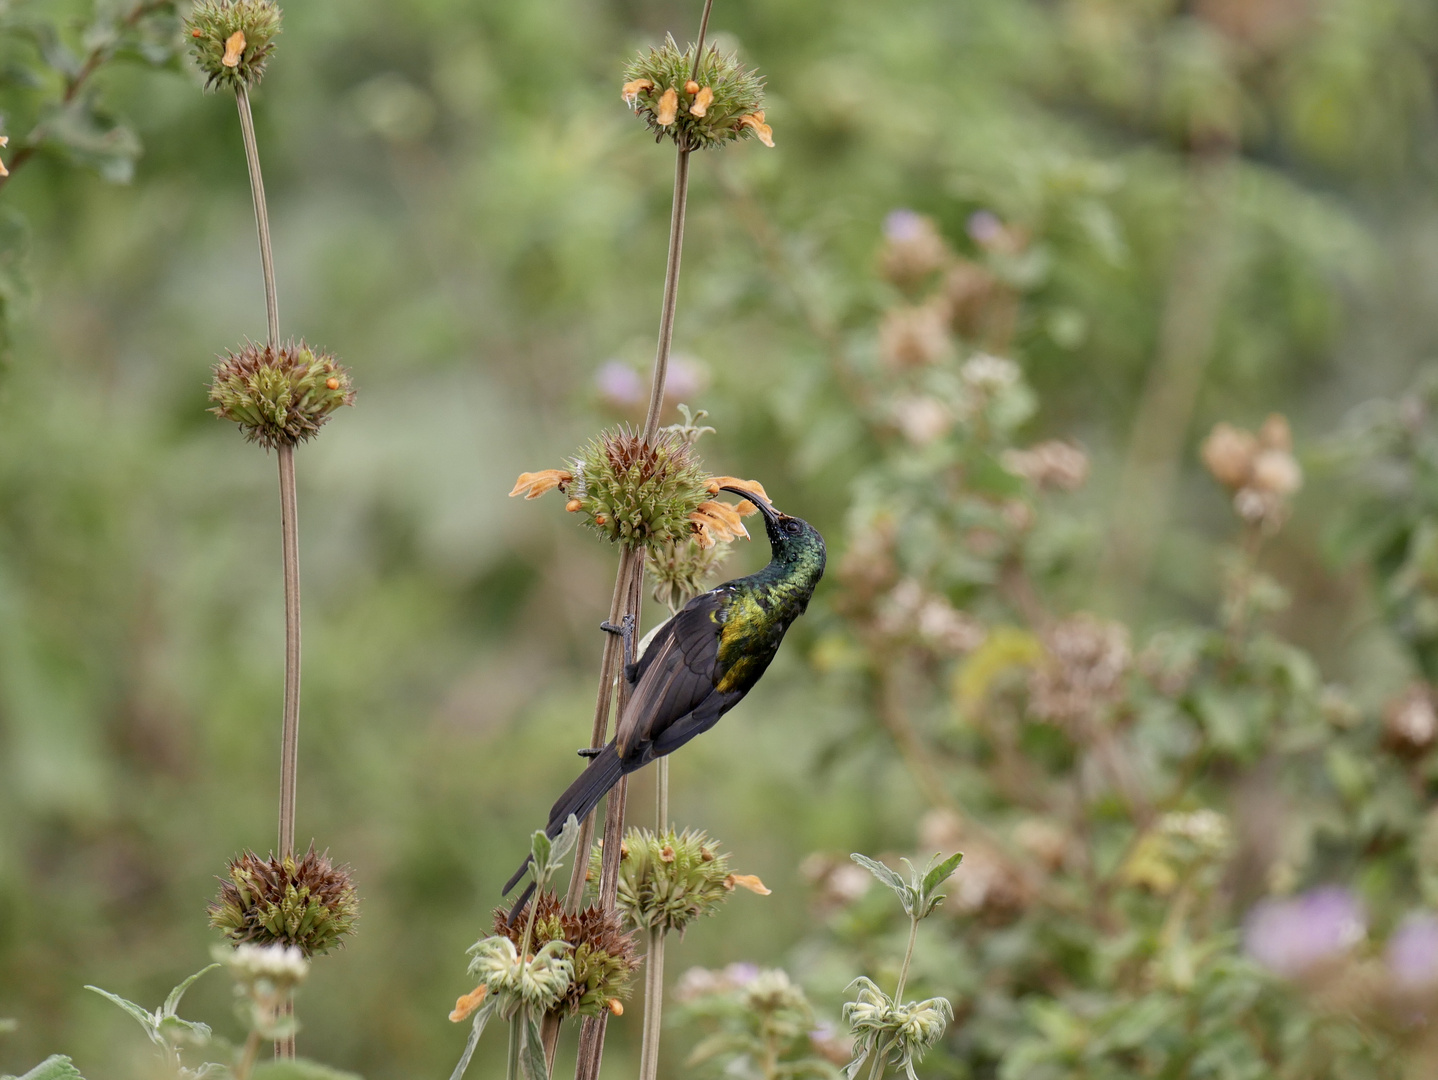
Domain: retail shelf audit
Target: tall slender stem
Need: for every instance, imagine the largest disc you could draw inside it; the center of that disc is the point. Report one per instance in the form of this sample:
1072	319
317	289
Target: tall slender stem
630	585
289	742
876	1070
653	1005
511	1061
262	214
671	294
289	527
661	794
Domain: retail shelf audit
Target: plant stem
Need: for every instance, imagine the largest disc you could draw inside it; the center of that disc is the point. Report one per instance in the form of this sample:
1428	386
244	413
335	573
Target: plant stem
653	1005
671	292
908	956
262	214
247	1059
876	1070
289	743
661	795
511	1061
289	528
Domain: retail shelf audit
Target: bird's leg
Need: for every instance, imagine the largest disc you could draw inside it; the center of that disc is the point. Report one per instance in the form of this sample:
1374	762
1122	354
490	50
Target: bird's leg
625	629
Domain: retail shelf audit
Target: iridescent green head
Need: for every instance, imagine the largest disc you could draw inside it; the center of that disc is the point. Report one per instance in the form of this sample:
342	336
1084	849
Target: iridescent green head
793	541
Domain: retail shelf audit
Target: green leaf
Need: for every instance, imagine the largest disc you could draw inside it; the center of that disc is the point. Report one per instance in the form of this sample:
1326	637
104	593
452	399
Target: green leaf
531	1050
888	877
565	841
172	1003
145	1019
539	850
55	1067
481	1017
300	1069
941	873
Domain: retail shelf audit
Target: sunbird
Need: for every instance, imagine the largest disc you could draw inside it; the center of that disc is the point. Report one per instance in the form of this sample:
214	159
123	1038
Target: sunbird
699	664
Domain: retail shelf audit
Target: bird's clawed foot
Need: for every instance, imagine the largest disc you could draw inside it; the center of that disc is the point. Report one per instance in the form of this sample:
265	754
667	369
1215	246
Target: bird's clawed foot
589	753
625	629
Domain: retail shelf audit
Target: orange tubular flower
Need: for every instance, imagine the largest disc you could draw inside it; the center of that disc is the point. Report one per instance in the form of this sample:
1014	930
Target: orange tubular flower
632	90
534	484
465	1006
761	129
234	49
745	508
668	108
702	101
746	881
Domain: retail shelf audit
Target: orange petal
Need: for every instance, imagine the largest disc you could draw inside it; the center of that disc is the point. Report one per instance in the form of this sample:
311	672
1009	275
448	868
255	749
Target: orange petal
573	505
702	102
725	514
616	1006
746	881
668	108
234	49
534	484
717	482
761	129
465	1006
712	528
701	533
667	854
632	90
691	87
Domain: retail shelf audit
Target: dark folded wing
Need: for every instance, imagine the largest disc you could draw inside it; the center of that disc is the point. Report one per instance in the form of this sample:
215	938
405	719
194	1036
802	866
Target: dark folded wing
676	675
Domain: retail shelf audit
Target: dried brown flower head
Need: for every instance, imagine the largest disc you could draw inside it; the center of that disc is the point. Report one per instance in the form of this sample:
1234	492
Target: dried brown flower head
601	952
310	904
1410	722
1085	661
279	398
1054	464
914	336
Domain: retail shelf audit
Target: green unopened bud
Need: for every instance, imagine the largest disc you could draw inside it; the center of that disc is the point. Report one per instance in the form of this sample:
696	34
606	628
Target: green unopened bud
667	880
232	39
279	399
310	904
601	953
721	103
681	570
641	494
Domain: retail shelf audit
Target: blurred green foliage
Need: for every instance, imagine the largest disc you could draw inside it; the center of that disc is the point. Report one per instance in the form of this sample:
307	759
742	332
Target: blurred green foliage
1237	196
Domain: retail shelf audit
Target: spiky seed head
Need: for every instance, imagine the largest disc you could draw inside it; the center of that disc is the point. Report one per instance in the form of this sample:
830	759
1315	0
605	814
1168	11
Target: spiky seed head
602	954
638	493
538	980
722	107
232	39
310	904
682	569
669	879
279	398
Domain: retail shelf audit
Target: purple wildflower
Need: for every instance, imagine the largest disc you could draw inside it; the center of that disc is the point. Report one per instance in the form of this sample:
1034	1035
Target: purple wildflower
1291	937
1412	952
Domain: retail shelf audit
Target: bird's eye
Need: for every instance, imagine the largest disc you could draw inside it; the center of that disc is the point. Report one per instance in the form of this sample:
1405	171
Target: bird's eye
792	528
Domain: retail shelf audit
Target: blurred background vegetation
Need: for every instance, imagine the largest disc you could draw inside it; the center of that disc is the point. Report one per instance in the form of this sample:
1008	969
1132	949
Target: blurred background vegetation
1168	214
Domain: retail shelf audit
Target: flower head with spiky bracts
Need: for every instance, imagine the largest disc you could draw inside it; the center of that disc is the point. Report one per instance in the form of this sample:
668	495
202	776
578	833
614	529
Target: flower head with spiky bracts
310	904
601	953
232	39
720	103
669	879
279	398
635	492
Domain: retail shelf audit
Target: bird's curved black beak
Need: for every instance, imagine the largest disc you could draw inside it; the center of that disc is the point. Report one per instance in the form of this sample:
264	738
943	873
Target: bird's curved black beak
765	507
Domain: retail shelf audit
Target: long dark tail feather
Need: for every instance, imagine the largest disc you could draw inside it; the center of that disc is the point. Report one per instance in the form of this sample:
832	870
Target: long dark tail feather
579	799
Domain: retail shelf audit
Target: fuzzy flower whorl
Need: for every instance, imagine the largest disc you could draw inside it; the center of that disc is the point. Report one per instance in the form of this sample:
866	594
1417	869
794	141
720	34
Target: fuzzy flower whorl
310	904
601	953
722	103
279	399
232	39
636	492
